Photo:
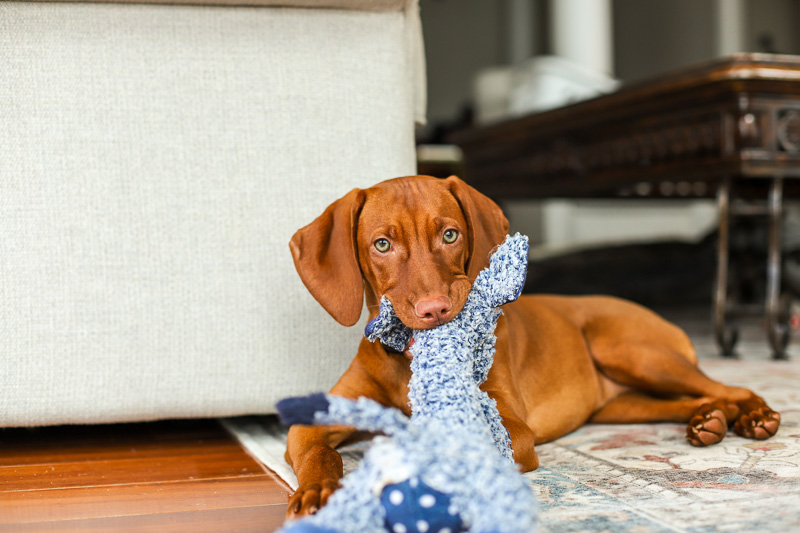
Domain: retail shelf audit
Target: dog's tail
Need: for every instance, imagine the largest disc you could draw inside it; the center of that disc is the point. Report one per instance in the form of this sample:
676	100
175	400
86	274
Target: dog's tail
327	409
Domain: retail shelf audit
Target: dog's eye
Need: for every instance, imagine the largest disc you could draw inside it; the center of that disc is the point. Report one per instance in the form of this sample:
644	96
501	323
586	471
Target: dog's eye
382	245
450	236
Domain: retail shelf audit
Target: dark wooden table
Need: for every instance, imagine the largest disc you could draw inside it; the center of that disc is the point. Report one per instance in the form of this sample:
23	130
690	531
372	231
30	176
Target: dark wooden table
728	128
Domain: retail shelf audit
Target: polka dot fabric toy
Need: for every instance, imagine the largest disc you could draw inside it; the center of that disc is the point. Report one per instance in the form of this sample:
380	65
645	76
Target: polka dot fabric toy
449	467
414	507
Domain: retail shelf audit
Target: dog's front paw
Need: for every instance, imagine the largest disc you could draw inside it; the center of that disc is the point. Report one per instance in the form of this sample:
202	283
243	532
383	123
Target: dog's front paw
308	499
707	426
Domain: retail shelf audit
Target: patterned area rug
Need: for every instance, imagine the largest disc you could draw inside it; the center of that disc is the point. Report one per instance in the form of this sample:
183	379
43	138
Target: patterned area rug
646	478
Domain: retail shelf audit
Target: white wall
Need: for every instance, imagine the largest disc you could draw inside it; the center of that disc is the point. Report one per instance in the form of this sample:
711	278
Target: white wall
652	36
778	19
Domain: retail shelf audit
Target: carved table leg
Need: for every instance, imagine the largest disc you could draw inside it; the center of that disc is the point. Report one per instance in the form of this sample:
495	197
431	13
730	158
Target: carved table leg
776	307
726	336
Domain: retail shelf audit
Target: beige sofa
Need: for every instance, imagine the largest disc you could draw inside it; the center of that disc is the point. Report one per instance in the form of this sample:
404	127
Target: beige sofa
155	159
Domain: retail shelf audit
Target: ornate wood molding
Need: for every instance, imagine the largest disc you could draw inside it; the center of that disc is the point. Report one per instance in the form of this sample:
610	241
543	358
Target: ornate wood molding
674	136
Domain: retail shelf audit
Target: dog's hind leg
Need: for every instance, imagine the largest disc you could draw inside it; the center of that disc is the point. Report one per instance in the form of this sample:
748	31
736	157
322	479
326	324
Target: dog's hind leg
690	396
707	417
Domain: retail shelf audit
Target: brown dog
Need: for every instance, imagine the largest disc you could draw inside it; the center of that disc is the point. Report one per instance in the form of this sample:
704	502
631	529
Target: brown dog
560	362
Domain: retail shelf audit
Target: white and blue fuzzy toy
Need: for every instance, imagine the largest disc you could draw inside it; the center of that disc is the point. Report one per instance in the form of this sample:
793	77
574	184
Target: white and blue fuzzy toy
450	466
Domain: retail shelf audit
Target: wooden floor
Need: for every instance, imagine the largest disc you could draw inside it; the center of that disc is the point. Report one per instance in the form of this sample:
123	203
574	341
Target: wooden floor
181	476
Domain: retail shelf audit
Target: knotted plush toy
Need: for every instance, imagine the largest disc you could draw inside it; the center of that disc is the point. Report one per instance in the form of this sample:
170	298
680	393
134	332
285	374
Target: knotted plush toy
450	466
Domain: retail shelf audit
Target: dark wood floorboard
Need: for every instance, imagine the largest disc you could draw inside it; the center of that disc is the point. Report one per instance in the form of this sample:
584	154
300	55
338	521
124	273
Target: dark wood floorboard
262	519
164	476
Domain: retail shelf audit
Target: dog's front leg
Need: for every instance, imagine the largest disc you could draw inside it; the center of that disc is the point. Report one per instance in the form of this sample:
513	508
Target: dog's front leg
318	466
523	442
511	409
310	450
523	439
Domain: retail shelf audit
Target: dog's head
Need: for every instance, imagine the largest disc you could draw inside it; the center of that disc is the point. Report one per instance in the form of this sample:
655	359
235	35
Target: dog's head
420	241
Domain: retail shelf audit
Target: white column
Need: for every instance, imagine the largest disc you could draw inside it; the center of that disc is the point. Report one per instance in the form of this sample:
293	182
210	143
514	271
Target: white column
730	22
581	32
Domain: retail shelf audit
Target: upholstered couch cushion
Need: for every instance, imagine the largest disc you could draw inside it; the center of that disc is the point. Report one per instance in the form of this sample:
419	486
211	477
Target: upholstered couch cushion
361	5
155	161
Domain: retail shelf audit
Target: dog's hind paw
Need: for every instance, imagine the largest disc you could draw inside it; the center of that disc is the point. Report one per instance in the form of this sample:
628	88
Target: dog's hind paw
756	420
707	426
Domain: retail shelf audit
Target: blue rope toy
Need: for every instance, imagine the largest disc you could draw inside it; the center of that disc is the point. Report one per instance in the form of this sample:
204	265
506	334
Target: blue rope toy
450	466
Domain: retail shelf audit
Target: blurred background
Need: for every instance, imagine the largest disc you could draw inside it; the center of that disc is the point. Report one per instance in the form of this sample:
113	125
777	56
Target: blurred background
489	61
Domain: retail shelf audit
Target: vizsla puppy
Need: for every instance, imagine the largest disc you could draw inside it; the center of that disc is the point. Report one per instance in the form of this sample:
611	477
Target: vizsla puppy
560	362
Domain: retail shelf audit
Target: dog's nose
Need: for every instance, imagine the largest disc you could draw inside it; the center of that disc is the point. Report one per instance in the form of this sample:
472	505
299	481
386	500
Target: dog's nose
435	311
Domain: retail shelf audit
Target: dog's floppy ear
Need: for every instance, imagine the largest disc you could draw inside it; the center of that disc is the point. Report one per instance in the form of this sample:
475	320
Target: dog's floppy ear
326	257
486	223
